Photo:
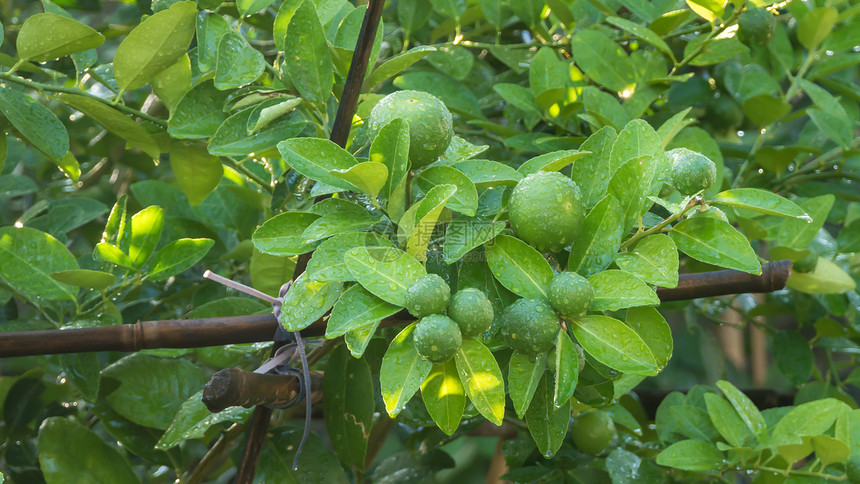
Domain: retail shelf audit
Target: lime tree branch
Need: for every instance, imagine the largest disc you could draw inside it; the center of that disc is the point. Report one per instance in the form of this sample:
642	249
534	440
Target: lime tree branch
241	168
641	234
42	87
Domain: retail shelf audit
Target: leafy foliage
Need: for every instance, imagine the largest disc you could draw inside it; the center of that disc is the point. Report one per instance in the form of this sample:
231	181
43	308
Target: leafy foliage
205	126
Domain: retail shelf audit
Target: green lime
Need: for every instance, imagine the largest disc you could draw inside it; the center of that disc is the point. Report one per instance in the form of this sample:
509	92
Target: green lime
430	123
724	113
546	210
530	326
570	294
437	338
472	311
593	431
428	295
691	171
756	26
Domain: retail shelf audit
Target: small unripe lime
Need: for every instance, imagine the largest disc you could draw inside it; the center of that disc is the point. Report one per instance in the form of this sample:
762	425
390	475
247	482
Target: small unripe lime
546	210
437	338
530	326
472	311
428	295
756	27
430	123
570	294
691	171
593	432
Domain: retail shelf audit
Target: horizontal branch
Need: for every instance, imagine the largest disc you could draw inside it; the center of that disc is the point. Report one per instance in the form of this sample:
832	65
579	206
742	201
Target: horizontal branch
198	333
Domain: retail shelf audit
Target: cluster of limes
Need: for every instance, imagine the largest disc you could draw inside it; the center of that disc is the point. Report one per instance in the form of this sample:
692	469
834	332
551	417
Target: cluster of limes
438	335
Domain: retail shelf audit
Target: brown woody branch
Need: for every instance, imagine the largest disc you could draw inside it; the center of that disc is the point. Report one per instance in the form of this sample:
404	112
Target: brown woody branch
196	333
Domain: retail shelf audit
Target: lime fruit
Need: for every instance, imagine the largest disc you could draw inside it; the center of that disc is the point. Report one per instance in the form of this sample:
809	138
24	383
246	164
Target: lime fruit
472	311
546	210
724	113
428	295
431	126
756	27
530	326
593	431
437	338
691	171
570	294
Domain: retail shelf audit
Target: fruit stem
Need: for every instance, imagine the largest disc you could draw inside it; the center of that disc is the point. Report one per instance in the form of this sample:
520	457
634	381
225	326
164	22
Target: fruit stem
641	234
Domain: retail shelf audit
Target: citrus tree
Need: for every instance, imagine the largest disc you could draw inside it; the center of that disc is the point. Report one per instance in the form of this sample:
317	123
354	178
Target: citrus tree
519	178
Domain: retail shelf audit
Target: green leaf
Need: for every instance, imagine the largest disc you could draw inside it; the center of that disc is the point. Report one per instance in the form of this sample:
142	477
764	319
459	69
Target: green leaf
524	374
85	278
654	331
826	278
614	290
61	462
29	258
249	7
463	235
518	96
444	396
348	407
454	60
614	344
798	233
109	253
727	421
807	420
715	50
47	36
146	227
553	161
423	220
237	136
760	201
199	112
337	223
602	60
12	186
369	177
210	28
592	173
36	123
402	372
193	420
600	239
394	65
715	242
709	10
173	82
547	423
154	45
391	148
632	185
237	62
358	339
317	158
464	200
308	61
197	172
643	33
691	455
307	301
282	234
816	25
151	390
482	379
327	263
836	127
654	260
357	308
385	272
765	109
486	173
746	409
566	369
672	126
519	267
830	450
177	257
793	356
83	370
315	463
546	71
